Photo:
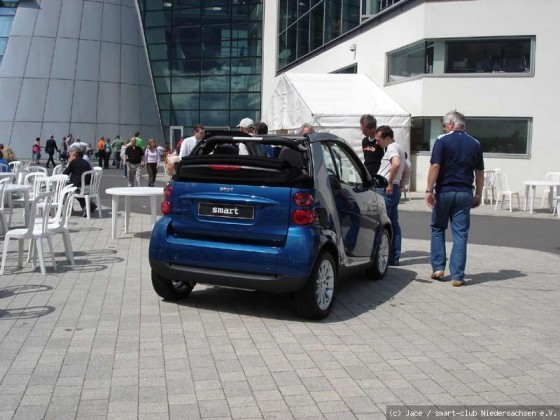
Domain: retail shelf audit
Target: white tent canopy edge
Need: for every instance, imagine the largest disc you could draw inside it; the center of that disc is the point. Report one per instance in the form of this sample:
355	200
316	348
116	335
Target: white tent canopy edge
334	103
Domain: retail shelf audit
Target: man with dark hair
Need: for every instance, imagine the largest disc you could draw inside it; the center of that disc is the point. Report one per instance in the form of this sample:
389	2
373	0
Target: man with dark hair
261	128
77	165
393	167
456	161
50	148
188	144
373	153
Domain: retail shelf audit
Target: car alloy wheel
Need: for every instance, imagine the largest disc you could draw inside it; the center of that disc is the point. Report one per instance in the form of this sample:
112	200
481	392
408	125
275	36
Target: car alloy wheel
325	285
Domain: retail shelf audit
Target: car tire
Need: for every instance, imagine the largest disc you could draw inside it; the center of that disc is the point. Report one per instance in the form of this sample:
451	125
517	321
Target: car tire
380	261
315	300
169	289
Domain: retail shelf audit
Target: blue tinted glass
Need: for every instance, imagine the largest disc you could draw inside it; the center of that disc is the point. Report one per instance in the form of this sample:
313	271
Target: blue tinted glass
185	101
186	84
154	4
186	17
6	25
316	27
214	101
246	101
157	18
186	118
245	66
216	41
161	84
186	68
157	35
163	101
303	36
158	52
3	42
245	83
160	68
215	84
216	118
187	43
215	67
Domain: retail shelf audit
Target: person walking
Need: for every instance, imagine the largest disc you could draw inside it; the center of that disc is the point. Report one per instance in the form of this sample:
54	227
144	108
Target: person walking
123	157
372	152
456	161
117	144
152	158
100	151
135	162
108	151
393	168
37	150
50	148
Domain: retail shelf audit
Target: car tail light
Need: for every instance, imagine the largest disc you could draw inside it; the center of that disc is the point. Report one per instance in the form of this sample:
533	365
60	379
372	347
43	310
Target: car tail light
166	204
225	167
165	207
303	199
303	217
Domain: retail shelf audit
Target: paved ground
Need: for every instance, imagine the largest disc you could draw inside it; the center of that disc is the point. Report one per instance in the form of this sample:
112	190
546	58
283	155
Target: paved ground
94	340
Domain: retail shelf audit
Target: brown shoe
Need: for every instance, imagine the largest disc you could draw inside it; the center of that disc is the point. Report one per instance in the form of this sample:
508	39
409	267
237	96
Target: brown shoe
438	275
457	283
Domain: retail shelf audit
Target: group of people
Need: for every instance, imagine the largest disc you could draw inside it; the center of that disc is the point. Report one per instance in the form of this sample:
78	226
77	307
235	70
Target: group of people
456	165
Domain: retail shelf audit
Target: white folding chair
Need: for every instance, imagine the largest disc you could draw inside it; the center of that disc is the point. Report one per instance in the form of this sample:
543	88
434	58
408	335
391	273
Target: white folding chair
59	223
550	176
489	187
91	191
556	207
56	184
503	190
35	231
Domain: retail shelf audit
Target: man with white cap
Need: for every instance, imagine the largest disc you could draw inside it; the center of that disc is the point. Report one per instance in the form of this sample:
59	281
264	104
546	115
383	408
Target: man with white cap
246	125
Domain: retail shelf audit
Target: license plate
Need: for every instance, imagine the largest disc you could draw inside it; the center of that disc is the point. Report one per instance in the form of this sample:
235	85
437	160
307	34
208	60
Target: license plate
229	211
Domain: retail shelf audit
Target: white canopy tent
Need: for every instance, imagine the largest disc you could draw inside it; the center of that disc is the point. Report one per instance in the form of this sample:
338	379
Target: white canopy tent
334	103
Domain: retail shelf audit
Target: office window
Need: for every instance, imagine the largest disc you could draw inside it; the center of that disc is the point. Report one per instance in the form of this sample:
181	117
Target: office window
480	56
488	56
497	135
414	60
351	69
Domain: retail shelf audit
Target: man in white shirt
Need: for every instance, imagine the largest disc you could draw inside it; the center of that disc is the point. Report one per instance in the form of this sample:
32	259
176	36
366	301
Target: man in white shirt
393	167
188	144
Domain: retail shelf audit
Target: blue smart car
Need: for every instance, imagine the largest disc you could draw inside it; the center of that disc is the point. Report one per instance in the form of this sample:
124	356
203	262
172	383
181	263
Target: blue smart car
271	213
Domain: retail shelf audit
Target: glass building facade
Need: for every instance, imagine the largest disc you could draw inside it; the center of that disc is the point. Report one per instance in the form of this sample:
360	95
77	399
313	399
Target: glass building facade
7	13
206	60
306	25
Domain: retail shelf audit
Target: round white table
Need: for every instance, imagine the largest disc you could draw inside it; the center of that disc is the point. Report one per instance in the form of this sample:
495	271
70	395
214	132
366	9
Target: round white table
531	188
8	175
152	192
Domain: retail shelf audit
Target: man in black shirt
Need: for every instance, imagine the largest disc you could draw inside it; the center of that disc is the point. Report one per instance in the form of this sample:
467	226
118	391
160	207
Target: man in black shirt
134	156
50	148
77	165
373	153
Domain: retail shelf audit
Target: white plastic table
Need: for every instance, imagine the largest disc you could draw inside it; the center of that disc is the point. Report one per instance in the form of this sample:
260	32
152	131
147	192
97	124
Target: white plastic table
152	192
8	175
531	188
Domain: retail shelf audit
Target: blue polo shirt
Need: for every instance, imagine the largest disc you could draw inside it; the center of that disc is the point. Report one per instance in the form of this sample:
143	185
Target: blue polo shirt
458	155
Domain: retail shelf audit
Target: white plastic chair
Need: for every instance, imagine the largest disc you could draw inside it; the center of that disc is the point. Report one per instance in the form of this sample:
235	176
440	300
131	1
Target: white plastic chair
556	207
91	191
35	231
489	188
59	224
58	169
15	165
3	223
503	190
550	176
37	169
56	184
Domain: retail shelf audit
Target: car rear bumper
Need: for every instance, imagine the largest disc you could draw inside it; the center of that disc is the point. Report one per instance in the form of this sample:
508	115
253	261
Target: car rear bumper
238	280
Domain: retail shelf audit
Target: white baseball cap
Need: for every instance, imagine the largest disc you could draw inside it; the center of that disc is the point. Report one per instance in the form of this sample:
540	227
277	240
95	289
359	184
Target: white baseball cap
246	123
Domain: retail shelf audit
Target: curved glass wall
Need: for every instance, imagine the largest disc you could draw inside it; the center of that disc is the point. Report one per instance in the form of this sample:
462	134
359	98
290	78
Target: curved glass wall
7	13
206	60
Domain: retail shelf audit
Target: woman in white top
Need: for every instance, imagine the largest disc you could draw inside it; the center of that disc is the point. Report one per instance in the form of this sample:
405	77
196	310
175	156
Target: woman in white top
151	156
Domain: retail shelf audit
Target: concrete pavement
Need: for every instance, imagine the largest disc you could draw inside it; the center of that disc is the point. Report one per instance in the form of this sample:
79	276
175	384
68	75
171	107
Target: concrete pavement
95	341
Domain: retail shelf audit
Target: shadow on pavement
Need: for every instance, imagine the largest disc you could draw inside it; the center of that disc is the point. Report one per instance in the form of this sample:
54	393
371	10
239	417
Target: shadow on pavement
26	313
23	289
493	276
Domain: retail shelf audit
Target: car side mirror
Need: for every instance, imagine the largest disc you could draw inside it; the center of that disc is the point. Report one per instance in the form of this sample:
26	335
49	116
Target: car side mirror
378	181
335	182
